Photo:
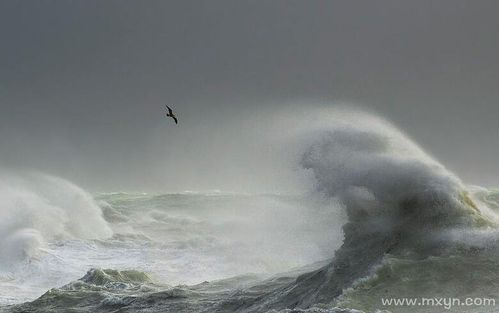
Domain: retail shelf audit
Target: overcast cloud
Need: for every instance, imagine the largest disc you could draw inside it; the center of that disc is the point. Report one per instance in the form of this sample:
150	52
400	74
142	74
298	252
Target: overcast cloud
83	83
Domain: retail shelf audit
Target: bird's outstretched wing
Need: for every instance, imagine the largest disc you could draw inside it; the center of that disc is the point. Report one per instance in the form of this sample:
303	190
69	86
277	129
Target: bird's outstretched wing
169	110
175	119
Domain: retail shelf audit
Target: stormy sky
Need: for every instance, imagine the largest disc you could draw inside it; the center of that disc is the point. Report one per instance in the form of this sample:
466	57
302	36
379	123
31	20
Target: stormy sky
83	83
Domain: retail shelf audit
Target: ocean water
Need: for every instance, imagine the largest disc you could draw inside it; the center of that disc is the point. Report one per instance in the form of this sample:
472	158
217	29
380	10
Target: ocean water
382	220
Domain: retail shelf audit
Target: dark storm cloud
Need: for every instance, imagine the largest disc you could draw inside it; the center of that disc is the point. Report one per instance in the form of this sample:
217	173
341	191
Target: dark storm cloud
82	83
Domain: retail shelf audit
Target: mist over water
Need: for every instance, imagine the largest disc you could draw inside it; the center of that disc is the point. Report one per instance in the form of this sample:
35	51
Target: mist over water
343	188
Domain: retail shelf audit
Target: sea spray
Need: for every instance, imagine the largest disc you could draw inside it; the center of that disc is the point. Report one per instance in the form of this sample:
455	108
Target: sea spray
37	208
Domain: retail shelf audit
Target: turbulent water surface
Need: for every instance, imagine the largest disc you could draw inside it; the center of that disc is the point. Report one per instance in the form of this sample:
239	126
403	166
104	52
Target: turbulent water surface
384	220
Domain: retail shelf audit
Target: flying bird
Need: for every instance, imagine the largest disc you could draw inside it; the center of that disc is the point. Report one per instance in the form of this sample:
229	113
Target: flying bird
171	114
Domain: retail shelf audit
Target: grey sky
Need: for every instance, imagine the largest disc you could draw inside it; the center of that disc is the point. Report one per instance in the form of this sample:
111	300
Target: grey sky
82	83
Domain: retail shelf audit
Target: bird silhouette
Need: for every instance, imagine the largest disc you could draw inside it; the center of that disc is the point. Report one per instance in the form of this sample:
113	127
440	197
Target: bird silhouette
171	114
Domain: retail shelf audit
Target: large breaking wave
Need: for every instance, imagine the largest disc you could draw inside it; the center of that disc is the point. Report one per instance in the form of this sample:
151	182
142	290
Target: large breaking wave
398	199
